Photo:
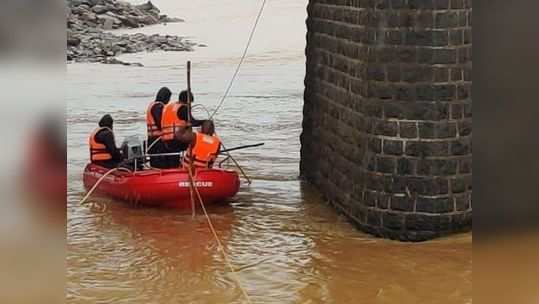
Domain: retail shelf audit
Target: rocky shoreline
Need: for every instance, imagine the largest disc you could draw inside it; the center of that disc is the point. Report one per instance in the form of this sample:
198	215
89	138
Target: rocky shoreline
89	23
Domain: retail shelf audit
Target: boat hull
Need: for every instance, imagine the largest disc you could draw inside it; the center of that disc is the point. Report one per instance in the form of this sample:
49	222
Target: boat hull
162	188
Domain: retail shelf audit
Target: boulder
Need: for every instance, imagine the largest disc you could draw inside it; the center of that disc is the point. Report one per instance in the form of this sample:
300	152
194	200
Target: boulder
115	16
116	49
79	10
140	36
121	43
149	20
154	12
148	6
129	21
108	24
116	61
71	22
167	19
72	40
78	3
95	2
102	19
100	9
160	39
122	4
88	16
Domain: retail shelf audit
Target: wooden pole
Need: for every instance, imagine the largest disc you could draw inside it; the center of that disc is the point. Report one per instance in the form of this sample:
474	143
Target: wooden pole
240	148
189	91
189	128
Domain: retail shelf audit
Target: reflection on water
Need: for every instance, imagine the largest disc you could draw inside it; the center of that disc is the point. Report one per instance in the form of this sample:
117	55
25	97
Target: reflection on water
286	243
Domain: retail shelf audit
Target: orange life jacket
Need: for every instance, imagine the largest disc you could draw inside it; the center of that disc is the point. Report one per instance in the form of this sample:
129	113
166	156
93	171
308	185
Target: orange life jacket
205	151
170	121
98	151
153	130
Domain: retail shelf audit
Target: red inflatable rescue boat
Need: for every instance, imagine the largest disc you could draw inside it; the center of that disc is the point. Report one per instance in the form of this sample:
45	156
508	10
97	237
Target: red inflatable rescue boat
163	188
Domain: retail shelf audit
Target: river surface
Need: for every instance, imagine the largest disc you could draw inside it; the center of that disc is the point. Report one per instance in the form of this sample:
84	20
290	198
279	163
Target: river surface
286	244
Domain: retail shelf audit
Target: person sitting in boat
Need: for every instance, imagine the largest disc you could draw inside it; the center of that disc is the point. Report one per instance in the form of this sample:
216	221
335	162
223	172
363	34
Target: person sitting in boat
174	119
103	150
205	146
153	122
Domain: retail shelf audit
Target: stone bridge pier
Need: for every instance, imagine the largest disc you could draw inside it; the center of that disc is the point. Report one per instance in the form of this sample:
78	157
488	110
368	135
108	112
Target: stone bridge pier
387	128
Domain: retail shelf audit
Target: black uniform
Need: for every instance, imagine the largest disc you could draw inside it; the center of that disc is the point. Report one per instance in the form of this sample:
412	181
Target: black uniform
157	147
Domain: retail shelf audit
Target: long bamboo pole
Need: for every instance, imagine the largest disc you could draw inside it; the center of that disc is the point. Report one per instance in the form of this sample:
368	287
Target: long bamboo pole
189	127
220	152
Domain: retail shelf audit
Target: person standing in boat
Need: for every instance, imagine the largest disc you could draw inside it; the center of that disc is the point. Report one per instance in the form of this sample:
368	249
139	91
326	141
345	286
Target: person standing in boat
205	146
175	120
153	122
103	150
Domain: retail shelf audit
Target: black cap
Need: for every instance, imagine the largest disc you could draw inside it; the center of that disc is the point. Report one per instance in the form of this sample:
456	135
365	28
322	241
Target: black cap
106	121
163	95
183	96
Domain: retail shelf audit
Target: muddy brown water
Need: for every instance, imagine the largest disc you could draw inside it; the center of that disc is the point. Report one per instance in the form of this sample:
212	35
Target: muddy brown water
286	244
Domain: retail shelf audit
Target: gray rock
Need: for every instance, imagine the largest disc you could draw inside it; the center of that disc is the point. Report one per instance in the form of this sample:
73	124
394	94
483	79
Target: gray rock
116	61
148	20
88	16
95	2
130	22
73	40
166	19
87	40
123	4
108	24
117	49
79	10
116	19
160	39
148	6
107	21
154	12
100	9
78	3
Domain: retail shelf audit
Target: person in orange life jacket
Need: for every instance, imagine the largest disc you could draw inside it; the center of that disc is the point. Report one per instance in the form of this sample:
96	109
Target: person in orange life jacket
205	146
153	123
103	150
174	119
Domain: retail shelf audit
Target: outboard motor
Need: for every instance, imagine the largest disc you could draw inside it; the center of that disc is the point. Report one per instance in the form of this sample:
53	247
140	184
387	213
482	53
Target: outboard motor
132	149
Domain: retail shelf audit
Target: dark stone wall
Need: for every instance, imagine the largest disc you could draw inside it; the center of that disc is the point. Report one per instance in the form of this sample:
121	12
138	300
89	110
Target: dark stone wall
387	129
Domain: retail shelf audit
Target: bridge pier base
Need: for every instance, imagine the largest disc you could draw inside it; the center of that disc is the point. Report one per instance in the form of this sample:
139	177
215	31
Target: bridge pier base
387	129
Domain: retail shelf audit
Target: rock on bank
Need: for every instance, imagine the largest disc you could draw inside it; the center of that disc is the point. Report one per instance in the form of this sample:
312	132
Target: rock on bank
88	23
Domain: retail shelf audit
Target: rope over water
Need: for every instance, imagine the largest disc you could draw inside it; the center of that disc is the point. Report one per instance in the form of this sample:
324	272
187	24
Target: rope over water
251	35
217	239
193	189
102	178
